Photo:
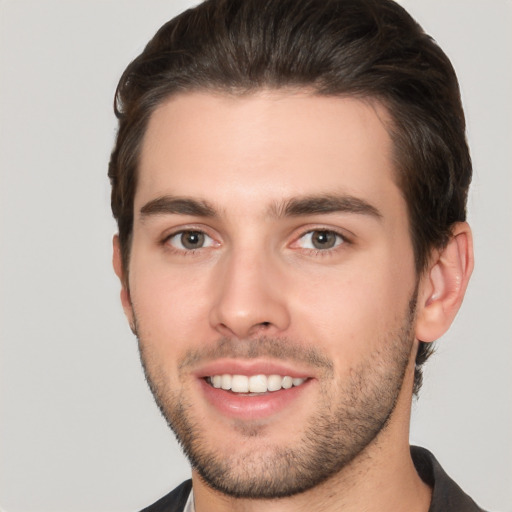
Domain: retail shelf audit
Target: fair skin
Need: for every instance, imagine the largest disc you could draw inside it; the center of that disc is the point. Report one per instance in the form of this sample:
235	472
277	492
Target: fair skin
235	252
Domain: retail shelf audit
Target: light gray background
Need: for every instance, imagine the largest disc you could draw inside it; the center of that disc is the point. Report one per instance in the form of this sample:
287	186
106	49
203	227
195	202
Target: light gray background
78	428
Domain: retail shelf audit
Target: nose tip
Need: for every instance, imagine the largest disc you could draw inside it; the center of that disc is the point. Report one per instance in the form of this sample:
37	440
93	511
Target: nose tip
250	301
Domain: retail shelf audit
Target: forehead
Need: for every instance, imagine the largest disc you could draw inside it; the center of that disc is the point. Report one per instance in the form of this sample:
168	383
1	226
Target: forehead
260	148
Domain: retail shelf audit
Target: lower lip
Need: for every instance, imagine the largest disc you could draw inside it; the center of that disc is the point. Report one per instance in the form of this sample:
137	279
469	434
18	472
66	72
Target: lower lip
255	407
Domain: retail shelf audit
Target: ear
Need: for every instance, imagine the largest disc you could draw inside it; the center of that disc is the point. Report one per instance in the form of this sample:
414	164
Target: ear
117	262
443	285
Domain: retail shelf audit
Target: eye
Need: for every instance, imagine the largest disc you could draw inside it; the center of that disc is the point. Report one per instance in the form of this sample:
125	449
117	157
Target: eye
190	240
320	239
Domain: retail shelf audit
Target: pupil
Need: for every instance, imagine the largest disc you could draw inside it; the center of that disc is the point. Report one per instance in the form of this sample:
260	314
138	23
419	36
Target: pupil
324	239
192	239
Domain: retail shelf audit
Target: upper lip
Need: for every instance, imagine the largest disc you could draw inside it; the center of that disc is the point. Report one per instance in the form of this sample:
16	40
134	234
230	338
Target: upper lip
250	367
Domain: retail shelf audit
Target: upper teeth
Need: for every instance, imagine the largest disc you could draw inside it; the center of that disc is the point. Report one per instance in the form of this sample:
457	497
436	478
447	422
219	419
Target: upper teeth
254	383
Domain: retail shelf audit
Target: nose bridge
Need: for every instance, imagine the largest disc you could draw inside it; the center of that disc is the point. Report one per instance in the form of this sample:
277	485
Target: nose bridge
250	294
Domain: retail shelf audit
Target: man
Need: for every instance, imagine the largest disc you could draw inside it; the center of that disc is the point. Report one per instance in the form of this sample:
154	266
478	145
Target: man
289	181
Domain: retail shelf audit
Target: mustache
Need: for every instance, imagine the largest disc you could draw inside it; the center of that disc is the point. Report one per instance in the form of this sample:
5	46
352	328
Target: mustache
260	347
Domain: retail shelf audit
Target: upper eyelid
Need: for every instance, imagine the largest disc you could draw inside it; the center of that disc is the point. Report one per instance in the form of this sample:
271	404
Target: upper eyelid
181	231
345	234
166	242
344	239
328	230
295	235
169	233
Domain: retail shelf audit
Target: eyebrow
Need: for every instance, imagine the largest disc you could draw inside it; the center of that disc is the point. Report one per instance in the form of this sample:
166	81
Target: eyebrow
314	205
295	207
169	205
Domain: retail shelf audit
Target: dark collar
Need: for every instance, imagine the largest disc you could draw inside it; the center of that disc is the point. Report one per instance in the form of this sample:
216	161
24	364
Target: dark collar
447	496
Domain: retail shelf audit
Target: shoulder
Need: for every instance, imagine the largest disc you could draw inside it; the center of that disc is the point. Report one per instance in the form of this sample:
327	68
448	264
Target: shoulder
447	496
174	501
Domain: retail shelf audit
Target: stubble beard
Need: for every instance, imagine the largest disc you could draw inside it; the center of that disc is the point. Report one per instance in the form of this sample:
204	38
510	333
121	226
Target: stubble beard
348	418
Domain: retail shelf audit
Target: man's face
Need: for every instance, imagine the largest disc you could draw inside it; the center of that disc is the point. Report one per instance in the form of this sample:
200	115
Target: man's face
271	255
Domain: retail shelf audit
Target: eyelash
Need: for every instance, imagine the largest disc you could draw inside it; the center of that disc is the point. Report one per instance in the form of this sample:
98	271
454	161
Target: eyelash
166	241
343	241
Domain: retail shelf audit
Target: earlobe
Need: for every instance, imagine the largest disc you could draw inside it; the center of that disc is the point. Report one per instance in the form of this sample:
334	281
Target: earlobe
444	284
117	262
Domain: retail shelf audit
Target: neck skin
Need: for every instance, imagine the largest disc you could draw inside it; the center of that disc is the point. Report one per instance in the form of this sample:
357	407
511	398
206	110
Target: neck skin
382	478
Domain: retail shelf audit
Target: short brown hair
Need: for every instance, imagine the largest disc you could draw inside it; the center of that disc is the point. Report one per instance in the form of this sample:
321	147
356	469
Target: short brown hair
371	49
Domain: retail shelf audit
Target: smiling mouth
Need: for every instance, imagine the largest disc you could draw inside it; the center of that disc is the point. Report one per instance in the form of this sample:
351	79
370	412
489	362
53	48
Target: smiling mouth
253	384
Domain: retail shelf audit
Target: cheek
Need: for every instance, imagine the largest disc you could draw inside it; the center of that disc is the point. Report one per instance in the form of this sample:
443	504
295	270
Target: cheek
350	311
171	307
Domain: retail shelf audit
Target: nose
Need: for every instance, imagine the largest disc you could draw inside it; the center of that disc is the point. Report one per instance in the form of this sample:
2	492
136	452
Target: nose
250	298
